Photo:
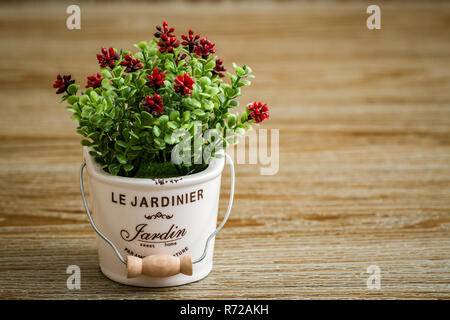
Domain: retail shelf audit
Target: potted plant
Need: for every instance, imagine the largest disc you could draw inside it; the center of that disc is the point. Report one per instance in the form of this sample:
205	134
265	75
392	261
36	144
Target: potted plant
155	124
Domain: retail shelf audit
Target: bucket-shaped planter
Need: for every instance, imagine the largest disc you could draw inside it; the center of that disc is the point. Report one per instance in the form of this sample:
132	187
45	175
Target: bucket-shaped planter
150	230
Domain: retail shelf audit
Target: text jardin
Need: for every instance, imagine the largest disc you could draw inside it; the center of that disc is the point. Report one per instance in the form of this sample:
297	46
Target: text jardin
156	202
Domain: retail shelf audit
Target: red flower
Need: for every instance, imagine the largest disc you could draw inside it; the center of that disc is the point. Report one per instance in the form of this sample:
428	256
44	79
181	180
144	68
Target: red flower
190	40
62	83
219	68
204	47
168	40
156	79
153	104
259	112
131	64
183	84
167	31
94	81
108	58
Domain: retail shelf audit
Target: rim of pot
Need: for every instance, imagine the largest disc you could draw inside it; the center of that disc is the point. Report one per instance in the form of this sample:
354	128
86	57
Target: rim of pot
95	171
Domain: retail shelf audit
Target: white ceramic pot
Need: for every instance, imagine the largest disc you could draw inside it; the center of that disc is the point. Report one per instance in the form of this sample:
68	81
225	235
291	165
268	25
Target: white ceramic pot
144	217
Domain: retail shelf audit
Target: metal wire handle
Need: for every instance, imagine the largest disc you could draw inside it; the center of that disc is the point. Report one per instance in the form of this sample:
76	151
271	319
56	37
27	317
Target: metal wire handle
205	251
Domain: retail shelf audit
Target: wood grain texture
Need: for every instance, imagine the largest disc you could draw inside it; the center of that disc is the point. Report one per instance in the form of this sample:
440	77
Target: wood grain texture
364	176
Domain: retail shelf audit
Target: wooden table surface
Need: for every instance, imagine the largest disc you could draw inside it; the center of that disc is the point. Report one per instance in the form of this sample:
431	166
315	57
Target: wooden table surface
364	174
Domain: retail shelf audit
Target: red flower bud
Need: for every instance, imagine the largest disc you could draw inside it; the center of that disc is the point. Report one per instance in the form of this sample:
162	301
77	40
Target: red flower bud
62	83
153	105
131	64
156	79
204	48
219	68
183	84
169	40
258	111
94	81
190	41
108	58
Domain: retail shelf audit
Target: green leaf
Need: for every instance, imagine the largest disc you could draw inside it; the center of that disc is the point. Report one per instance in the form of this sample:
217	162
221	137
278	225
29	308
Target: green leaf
73	88
146	118
212	91
76	118
163	119
114	169
170	65
174	115
128	167
234	103
72	99
155	170
121	143
84	99
186	116
239	71
138	122
87	112
122	159
193	103
111	93
204	81
118	71
240	131
231	120
142	45
244	116
160	142
244	83
172	125
85	143
128	79
96	120
106	84
210	65
199	112
207	95
141	82
247	69
229	91
169	139
232	77
208	105
94	96
156	131
134	135
106	74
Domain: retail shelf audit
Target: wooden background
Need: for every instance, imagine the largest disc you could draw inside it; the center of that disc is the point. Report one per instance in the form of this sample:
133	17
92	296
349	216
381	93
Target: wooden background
364	175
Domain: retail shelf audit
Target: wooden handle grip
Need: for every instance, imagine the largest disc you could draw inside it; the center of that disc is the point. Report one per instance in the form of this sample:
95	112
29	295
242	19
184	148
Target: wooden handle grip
158	265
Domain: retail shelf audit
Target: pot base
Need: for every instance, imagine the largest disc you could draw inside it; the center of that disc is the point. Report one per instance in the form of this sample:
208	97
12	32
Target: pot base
153	282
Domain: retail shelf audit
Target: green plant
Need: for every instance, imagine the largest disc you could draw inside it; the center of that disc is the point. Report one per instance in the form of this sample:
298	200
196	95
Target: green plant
135	111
